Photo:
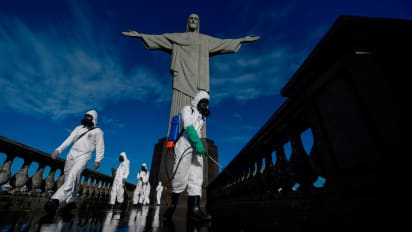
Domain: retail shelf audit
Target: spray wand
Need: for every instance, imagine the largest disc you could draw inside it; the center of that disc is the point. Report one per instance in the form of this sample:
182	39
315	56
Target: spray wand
220	166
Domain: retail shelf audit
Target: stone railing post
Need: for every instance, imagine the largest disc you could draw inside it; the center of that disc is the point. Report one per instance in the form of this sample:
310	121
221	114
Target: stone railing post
5	171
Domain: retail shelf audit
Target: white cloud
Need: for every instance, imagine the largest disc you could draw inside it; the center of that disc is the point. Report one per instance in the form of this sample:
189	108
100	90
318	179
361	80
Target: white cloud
45	73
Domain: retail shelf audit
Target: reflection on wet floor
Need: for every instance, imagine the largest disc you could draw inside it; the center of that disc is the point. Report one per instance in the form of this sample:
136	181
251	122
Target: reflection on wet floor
144	218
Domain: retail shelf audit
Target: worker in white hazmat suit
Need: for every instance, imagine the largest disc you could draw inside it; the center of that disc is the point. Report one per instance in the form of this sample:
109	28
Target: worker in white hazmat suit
141	187
122	172
84	139
159	190
189	153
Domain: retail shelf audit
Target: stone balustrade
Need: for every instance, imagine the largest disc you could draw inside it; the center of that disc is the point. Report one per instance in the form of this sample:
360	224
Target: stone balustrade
93	184
349	97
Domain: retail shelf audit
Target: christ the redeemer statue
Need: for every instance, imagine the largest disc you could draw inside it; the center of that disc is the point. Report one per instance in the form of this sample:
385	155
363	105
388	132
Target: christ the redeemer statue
190	52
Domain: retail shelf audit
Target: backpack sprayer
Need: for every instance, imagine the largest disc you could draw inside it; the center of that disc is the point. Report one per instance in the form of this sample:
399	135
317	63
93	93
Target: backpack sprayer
174	132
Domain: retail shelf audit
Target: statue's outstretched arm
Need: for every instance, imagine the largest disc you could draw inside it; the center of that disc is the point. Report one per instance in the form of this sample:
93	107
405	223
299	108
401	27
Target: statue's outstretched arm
132	33
250	38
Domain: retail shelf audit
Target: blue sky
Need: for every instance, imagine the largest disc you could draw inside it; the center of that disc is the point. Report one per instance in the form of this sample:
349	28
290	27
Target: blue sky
60	59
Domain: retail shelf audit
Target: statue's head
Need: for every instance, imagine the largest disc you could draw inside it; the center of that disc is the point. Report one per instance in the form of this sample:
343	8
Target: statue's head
193	23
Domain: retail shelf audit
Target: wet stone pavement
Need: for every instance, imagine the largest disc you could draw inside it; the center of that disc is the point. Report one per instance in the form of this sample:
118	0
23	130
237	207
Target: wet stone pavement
144	218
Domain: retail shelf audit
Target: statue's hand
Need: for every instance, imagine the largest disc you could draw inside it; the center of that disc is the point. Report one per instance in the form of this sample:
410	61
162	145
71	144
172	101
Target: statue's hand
132	33
251	38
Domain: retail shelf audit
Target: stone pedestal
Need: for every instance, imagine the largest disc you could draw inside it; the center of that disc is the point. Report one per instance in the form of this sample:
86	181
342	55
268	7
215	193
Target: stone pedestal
162	169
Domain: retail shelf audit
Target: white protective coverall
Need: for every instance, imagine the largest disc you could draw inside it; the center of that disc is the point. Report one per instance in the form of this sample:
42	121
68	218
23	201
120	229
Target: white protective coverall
189	172
78	158
141	188
122	172
159	190
146	194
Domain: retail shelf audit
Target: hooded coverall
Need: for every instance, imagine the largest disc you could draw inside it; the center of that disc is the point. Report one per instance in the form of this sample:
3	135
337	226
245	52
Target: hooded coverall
78	158
159	190
141	190
188	164
122	172
189	172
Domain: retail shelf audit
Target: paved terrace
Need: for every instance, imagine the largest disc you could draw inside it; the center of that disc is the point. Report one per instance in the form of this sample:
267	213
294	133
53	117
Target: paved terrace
25	213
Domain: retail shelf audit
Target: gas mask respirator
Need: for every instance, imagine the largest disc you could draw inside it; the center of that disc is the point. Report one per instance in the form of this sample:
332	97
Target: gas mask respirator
87	121
203	107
